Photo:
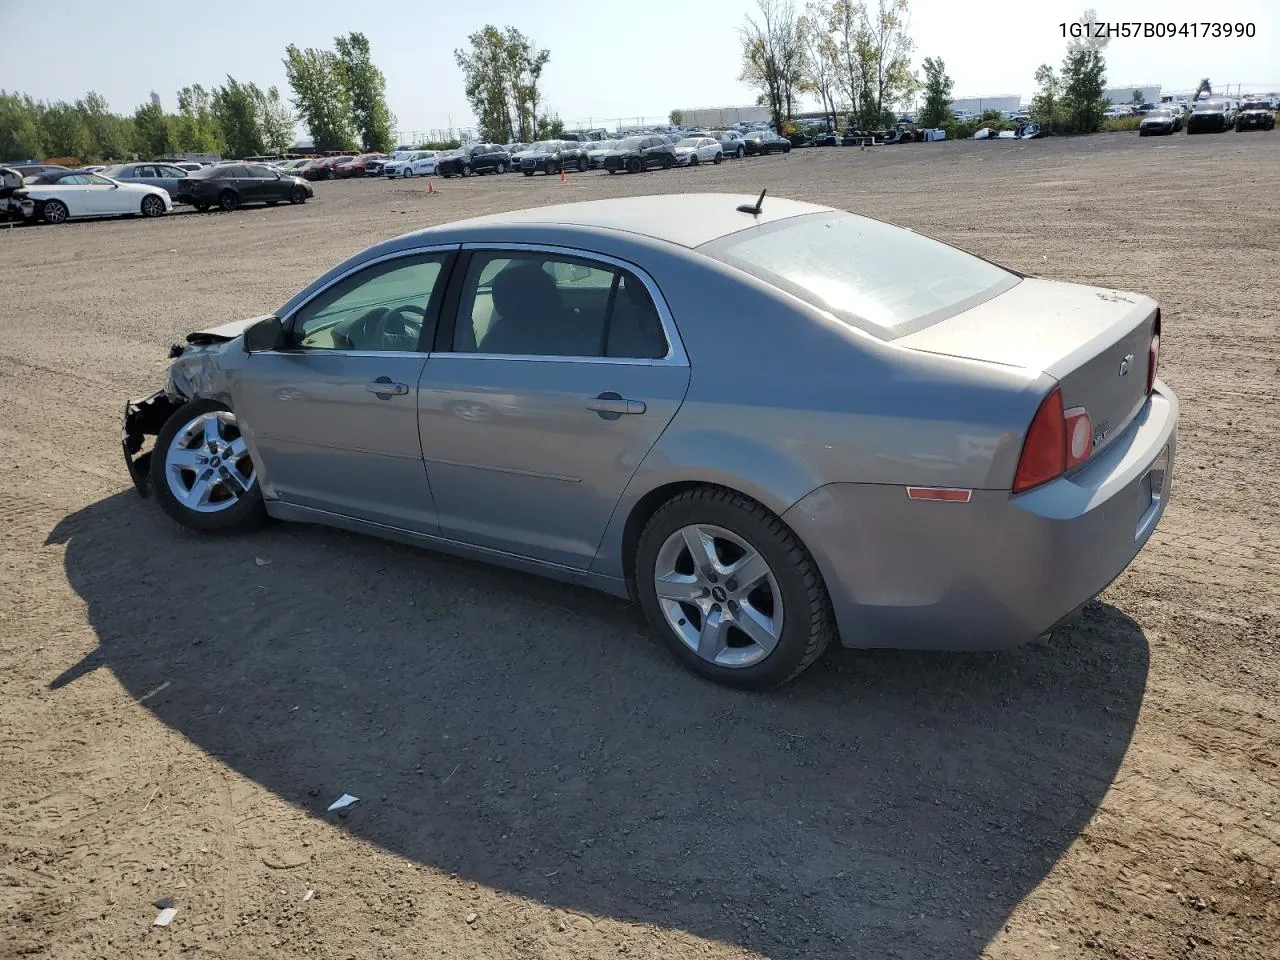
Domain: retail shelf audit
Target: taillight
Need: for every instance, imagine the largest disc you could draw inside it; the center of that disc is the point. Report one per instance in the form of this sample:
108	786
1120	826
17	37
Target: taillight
1153	353
1079	436
1044	452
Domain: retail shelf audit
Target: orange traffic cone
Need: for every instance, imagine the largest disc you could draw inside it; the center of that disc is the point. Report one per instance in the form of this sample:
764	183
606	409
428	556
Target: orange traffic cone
563	178
431	187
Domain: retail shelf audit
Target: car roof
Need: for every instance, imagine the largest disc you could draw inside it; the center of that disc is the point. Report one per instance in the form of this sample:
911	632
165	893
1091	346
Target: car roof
685	219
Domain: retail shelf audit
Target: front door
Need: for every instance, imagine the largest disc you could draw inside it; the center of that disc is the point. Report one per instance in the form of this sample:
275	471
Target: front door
332	416
550	388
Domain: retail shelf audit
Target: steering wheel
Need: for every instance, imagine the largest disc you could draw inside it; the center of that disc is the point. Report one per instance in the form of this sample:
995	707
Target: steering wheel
372	329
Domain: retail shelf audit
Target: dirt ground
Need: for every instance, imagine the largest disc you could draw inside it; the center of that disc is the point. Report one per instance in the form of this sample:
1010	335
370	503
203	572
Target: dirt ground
537	777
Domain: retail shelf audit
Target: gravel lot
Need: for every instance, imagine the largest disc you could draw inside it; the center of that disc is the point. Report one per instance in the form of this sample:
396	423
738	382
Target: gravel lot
537	777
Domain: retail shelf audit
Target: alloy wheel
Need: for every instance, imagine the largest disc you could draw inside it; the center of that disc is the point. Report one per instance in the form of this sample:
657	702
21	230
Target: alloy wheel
718	595
207	465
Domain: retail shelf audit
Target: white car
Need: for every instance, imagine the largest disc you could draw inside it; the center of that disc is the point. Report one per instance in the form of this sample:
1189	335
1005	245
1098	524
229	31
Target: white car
416	163
694	150
58	197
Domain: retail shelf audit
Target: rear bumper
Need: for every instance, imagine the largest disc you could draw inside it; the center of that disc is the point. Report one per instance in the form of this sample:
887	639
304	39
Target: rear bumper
999	570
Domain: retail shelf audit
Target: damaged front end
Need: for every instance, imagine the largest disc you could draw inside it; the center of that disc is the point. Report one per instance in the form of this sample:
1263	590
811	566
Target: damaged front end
195	372
142	417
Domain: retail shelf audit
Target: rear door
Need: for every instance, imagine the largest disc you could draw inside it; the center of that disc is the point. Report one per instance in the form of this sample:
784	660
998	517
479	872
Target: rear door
560	372
333	415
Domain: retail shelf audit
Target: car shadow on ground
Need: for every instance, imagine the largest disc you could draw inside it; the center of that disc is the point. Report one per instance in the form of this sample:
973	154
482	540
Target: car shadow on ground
535	738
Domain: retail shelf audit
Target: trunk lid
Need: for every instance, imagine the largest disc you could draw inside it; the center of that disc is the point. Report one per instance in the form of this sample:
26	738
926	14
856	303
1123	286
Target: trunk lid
1094	341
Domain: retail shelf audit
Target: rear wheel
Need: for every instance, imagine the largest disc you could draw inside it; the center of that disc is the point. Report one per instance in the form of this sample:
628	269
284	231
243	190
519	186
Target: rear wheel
55	211
152	206
583	164
201	207
718	157
202	472
739	154
731	589
228	200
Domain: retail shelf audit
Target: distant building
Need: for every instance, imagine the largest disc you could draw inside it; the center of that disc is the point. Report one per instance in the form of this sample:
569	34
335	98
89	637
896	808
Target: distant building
1150	93
980	105
713	118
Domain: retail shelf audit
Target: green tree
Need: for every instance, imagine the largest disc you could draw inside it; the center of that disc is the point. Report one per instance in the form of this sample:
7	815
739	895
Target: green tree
549	128
819	70
65	132
152	136
1137	96
772	56
887	47
321	96
1046	105
367	86
108	132
938	89
21	137
524	63
1084	73
235	106
275	122
676	117
196	130
502	70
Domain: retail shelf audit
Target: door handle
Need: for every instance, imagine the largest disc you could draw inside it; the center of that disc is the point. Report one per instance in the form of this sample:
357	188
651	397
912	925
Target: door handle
611	405
384	387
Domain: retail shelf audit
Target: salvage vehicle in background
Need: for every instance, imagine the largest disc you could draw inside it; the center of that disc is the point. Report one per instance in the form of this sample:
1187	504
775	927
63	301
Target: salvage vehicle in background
58	196
1160	122
764	142
161	175
552	156
692	151
772	423
480	158
414	163
322	168
356	166
731	143
232	185
635	154
598	150
1210	116
1255	115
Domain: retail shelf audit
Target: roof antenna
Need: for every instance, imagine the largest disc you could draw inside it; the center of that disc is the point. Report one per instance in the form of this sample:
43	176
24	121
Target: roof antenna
756	209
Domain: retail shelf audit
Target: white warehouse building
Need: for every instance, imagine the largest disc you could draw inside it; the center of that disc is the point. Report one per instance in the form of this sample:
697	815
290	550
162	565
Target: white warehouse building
1150	93
978	105
714	118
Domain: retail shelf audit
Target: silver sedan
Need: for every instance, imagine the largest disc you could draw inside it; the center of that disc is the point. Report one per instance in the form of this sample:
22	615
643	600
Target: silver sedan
771	423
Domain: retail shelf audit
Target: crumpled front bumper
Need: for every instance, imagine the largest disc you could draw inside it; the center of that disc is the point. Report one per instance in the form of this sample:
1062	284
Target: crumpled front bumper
142	417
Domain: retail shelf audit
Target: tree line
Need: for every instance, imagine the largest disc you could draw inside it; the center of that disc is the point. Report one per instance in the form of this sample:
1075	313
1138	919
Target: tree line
501	71
339	95
855	58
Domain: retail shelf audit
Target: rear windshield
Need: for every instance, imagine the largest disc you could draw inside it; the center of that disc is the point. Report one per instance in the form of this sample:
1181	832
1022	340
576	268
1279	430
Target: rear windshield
885	279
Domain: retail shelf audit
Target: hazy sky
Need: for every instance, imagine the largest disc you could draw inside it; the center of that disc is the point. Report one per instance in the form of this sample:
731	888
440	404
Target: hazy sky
609	60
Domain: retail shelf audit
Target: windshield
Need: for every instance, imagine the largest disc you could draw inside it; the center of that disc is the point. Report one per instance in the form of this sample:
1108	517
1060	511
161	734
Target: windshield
630	143
1209	106
545	146
689	142
113	171
884	279
604	145
1255	105
1159	114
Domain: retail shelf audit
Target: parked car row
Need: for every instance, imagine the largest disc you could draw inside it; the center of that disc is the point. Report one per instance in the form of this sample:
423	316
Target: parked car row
1214	115
57	194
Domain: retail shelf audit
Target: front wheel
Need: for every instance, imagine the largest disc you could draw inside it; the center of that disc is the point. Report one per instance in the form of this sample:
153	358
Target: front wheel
731	589
634	165
408	172
201	207
228	200
583	164
202	473
667	162
693	160
466	170
717	158
152	206
55	211
298	195
739	155
500	169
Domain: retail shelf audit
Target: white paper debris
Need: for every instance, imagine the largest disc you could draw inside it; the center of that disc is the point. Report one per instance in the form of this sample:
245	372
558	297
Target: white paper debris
308	895
345	800
165	917
260	562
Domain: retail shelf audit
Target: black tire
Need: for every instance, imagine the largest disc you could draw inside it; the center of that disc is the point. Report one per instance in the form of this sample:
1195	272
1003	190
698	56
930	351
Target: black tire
719	157
808	622
249	512
298	195
741	153
152	206
667	162
634	165
228	200
583	164
611	170
201	207
1142	133
272	203
500	169
528	173
693	160
552	169
466	169
54	211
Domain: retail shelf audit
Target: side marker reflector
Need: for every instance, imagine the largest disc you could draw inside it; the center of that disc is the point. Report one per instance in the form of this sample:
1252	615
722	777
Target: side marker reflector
951	494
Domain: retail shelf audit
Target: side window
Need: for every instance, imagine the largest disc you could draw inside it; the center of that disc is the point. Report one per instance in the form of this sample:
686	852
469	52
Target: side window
75	179
381	308
145	172
531	304
173	172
